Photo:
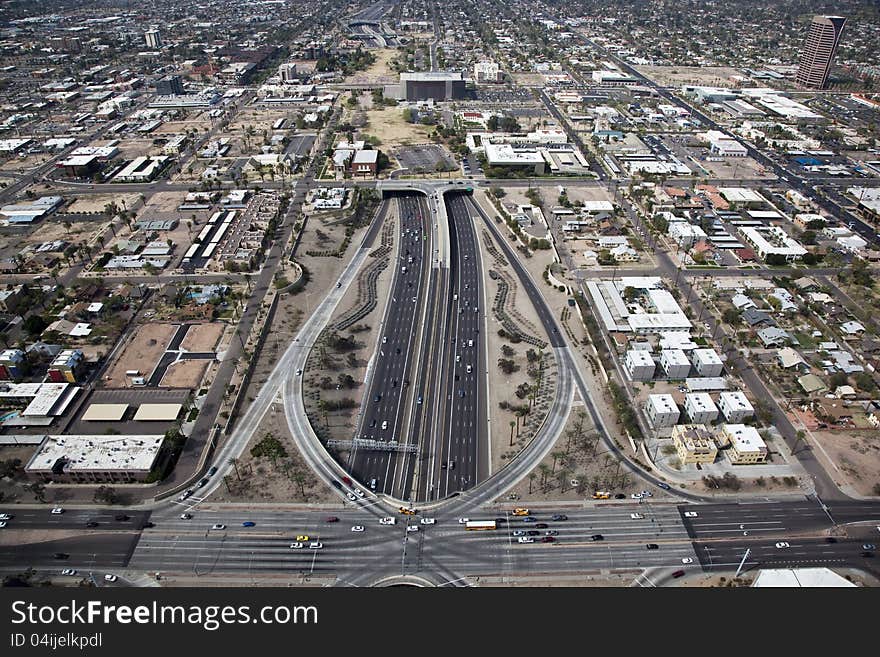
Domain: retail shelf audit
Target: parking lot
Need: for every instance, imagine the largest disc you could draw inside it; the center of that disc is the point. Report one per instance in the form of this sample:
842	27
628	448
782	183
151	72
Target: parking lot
424	157
134	398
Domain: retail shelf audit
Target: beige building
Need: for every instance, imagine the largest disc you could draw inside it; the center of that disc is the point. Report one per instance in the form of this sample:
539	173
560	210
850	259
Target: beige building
746	444
694	443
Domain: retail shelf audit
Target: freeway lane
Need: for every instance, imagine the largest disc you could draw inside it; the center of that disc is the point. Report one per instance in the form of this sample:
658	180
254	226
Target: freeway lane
388	391
75	519
95	549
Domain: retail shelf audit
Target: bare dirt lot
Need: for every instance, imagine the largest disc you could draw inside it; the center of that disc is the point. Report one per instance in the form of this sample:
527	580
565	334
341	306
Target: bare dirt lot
678	75
856	455
202	337
142	353
391	130
97	203
379	70
184	374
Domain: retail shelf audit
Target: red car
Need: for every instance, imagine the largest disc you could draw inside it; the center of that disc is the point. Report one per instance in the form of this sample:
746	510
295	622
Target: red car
678	573
347	481
548	539
332	519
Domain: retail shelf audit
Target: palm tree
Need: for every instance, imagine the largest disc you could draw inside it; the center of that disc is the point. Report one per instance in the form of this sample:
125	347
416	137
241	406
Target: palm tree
532	477
556	456
544	469
512	425
234	463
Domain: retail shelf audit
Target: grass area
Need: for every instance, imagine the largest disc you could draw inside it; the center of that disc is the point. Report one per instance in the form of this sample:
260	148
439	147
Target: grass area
391	130
805	340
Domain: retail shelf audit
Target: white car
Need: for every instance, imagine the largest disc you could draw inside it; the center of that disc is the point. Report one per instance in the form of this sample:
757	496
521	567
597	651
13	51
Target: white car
296	546
387	521
690	514
636	516
427	521
57	511
2	524
110	578
351	497
186	516
218	526
68	571
463	521
315	545
647	493
357	528
636	496
687	560
5	516
519	532
525	539
412	528
358	492
782	545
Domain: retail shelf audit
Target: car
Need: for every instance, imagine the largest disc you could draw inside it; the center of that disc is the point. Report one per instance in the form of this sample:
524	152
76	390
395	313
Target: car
678	573
336	484
384	340
91	523
636	516
347	481
302	537
412	528
533	532
867	555
636	496
452	463
57	511
248	523
652	546
525	539
357	528
387	521
597	537
186	516
687	560
351	496
373	423
541	525
419	400
377	398
212	471
782	545
122	517
830	539
690	514
559	517
548	539
2	524
529	519
331	519
427	521
297	546
384	425
68	571
463	521
218	526
203	482
5	516
646	493
316	545
184	495
60	555
414	299
299	371
551	532
518	532
620	496
663	486
500	521
108	577
868	546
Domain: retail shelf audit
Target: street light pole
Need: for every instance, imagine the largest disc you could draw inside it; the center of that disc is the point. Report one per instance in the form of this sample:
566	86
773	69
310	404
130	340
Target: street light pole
745	556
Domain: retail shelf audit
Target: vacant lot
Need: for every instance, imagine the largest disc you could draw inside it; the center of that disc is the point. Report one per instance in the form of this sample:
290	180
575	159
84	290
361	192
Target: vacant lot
678	75
378	70
202	337
141	353
391	130
856	455
184	374
97	203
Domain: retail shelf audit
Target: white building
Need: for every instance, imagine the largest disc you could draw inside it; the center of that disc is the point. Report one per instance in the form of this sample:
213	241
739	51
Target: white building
685	234
735	406
700	408
675	363
153	39
142	169
772	240
707	362
746	444
723	145
662	411
639	365
95	458
487	72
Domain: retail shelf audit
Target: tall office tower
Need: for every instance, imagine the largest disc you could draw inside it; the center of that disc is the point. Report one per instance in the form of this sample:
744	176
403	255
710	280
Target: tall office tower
819	50
154	40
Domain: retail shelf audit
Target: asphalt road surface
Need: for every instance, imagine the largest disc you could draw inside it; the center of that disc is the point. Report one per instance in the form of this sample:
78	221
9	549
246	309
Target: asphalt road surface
390	393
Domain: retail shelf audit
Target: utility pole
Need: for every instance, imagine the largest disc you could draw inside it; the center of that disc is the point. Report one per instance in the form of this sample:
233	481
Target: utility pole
745	556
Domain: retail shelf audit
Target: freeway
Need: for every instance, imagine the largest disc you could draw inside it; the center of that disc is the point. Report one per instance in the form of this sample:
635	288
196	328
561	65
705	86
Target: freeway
77	518
457	458
388	396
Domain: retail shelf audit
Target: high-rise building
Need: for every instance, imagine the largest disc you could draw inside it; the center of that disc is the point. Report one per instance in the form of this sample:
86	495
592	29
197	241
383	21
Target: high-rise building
487	72
819	51
153	39
170	85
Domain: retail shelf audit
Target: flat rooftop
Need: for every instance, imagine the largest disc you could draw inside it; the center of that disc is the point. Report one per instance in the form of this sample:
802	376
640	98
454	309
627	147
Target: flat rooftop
100	453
